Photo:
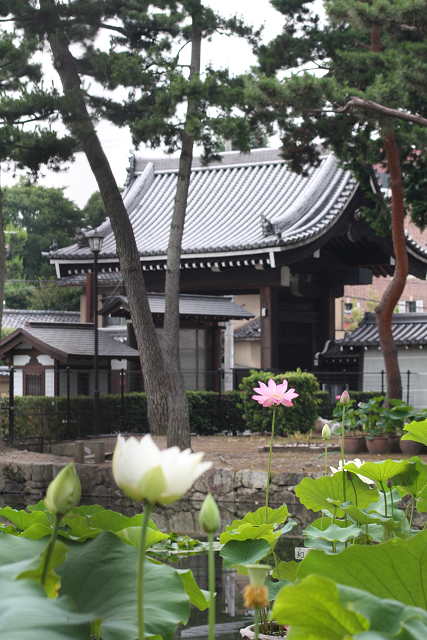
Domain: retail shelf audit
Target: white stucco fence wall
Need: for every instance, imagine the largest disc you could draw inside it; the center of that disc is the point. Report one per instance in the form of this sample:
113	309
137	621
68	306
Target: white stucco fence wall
411	359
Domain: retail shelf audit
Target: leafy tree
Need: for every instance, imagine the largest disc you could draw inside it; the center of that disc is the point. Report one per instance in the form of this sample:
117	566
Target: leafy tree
16	294
47	295
94	213
23	100
368	58
159	89
46	215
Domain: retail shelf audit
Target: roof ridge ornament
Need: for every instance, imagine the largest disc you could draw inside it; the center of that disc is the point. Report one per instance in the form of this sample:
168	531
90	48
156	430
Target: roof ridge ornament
267	226
81	238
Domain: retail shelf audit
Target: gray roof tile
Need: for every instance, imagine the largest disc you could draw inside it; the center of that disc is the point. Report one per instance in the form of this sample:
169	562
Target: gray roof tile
226	204
249	331
407	329
16	318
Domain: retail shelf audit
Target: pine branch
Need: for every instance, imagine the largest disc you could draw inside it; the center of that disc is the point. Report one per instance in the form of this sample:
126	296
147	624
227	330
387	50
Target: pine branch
386	111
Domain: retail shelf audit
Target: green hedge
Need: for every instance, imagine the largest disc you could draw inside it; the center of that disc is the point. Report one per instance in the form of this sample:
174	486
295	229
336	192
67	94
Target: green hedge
47	417
300	417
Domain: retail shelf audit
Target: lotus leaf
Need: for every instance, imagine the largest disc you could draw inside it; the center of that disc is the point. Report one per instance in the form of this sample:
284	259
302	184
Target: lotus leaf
403	471
317	494
395	569
333	533
416	431
242	552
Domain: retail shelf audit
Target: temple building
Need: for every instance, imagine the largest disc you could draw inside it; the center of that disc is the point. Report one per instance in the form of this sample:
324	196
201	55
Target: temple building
283	245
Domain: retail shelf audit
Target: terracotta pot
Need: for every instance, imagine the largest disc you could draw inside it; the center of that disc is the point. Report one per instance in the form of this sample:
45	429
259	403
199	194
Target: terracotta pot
379	444
249	633
353	444
410	447
393	444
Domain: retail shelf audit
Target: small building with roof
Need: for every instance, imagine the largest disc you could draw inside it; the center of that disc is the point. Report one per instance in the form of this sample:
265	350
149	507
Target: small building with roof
16	318
359	354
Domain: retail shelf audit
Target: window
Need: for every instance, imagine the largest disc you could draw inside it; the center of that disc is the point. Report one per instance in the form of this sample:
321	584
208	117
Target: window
33	384
347	308
411	306
419	306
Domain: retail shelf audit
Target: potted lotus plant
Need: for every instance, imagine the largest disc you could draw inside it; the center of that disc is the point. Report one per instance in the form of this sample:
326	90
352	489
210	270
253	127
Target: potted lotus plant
354	440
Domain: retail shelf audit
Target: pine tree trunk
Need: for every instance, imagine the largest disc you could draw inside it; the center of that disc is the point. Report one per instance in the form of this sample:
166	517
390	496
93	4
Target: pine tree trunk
179	417
80	123
2	256
390	298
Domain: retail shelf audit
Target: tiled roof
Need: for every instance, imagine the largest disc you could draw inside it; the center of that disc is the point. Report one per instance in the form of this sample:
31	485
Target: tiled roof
249	331
407	329
15	318
70	341
246	202
104	279
218	307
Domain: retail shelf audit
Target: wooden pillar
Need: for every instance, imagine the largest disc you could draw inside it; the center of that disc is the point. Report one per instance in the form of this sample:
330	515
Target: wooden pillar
89	297
326	328
269	327
216	357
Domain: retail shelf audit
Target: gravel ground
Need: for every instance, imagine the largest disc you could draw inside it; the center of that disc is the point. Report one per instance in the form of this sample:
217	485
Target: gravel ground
232	452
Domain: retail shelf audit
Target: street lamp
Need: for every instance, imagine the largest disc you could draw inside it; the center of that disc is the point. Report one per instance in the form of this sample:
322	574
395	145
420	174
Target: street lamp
95	244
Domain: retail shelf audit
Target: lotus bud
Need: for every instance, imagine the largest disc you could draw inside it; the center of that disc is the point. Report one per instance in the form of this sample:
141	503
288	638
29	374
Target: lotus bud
389	483
345	398
326	432
349	476
63	493
209	517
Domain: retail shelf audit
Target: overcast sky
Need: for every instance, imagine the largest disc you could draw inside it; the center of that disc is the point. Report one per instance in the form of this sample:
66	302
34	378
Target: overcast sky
224	52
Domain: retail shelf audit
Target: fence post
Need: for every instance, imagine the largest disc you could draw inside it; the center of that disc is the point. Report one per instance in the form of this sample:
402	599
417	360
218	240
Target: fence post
219	401
11	403
122	403
68	404
407	390
382	382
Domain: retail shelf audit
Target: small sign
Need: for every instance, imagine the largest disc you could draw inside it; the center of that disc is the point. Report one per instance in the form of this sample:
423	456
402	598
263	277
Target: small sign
301	552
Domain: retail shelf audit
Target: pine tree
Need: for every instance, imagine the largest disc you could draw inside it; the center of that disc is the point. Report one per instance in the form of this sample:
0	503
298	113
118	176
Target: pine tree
140	58
365	101
23	100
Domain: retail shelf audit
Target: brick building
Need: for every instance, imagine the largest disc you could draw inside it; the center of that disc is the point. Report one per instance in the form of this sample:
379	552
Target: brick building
413	299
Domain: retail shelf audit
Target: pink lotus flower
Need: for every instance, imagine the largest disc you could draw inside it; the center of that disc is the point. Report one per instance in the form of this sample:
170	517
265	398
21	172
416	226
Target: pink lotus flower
274	394
345	398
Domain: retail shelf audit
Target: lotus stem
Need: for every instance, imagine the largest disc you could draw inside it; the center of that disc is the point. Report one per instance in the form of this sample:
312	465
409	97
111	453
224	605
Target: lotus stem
140	579
391	500
385	499
256	626
412	515
405	518
211	567
50	548
269	465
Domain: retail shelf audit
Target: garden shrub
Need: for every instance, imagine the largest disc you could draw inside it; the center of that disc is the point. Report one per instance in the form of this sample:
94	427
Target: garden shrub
324	406
300	417
47	416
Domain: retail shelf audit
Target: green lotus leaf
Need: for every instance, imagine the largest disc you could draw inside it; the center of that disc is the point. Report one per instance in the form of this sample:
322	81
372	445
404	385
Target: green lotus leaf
363	518
417	486
316	494
275	516
403	471
132	536
333	533
422	502
99	576
314	610
27	614
23	520
199	597
248	531
242	552
275	587
286	571
395	569
417	431
340	613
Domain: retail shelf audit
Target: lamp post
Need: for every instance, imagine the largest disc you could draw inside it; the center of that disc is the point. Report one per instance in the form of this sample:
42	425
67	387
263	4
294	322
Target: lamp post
95	244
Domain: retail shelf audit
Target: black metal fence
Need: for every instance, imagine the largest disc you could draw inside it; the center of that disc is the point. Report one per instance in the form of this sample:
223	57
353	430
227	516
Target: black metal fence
50	404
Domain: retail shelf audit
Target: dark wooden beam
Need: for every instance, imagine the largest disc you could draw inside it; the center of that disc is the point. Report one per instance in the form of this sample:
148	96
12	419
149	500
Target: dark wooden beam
269	327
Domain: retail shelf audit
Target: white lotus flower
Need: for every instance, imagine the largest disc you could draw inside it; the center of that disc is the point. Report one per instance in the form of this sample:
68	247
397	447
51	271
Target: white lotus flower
357	463
144	472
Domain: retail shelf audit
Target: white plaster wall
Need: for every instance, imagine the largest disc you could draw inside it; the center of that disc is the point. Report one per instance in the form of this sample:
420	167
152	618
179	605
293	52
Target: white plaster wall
247	353
412	359
18	383
49	382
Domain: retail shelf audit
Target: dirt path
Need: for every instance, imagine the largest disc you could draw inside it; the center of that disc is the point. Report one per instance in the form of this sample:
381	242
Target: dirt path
232	452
